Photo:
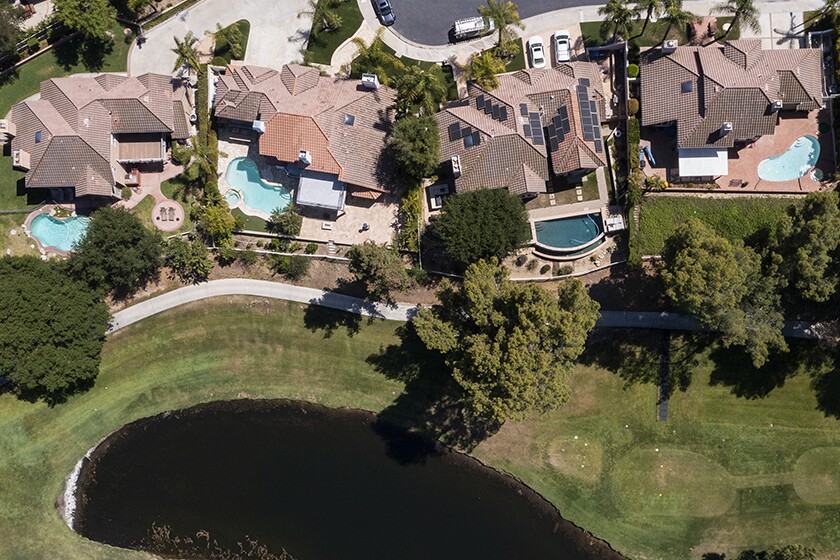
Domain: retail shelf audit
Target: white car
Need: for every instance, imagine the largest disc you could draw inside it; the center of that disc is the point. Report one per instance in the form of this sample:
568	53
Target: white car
536	51
562	46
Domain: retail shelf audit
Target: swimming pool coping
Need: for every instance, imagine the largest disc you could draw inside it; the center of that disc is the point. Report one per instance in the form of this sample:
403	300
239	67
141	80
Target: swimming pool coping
537	245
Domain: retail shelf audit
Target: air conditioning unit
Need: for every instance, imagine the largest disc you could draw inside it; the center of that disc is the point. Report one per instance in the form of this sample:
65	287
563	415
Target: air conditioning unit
370	81
305	157
776	105
456	166
669	46
726	128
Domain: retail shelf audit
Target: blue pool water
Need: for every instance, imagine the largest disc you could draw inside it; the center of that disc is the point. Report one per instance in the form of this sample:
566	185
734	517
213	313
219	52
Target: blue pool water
794	163
569	233
61	234
243	175
233	198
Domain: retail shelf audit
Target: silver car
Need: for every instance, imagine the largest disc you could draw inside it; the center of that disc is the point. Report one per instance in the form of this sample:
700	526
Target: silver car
385	12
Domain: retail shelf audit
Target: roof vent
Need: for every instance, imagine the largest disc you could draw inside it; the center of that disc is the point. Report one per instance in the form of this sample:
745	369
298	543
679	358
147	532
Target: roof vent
669	46
776	105
456	166
305	157
370	81
726	128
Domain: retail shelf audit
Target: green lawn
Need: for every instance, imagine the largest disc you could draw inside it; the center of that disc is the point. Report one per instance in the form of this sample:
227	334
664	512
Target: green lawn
734	218
144	208
222	52
250	223
62	61
654	33
723	473
321	48
12	194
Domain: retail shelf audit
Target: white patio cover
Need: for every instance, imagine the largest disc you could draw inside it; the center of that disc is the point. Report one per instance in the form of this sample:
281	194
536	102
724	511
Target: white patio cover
322	190
703	162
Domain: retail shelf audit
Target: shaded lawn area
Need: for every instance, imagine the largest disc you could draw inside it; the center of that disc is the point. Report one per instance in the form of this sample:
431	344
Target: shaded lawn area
12	193
70	58
729	470
222	52
733	218
321	48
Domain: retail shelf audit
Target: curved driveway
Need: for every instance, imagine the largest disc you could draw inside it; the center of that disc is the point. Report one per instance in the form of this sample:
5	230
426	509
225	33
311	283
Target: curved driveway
398	312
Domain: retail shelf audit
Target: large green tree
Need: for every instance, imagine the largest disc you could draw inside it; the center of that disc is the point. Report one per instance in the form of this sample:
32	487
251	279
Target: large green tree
214	220
189	260
324	16
675	16
380	269
53	329
483	69
505	16
509	346
724	285
11	16
744	13
420	86
807	240
118	254
415	143
287	221
482	224
92	18
186	52
376	58
618	15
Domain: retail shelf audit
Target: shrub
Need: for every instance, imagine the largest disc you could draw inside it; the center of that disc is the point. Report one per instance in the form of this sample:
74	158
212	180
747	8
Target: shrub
293	267
545	268
564	269
181	153
411	209
380	268
521	259
532	264
632	105
634	188
189	260
311	248
632	70
226	255
34	45
248	258
295	247
420	275
280	245
125	193
285	222
260	244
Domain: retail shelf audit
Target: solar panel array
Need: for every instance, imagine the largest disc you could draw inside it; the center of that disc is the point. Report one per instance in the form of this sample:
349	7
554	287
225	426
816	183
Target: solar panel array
589	121
471	137
558	128
493	110
533	130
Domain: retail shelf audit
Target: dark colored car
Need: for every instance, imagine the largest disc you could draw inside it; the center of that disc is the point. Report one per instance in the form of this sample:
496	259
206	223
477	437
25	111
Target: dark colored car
385	12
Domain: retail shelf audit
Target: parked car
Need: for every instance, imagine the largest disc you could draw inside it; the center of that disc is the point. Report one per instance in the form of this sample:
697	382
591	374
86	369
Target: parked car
471	27
536	52
562	46
384	12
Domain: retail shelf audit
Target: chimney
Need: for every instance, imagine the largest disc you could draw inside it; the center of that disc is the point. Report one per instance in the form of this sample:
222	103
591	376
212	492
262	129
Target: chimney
669	46
370	81
726	128
456	166
304	157
776	105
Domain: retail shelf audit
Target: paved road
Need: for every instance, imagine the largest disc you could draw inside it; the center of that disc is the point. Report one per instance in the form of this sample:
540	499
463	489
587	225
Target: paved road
399	312
279	30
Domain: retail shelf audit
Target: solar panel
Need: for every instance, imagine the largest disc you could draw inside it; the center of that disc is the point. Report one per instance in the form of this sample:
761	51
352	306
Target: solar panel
566	126
563	112
496	112
527	130
523	109
560	136
538	140
585	122
502	113
468	141
454	132
597	131
599	146
552	132
466	132
557	120
488	107
535	120
476	136
587	134
553	142
479	102
593	107
585	82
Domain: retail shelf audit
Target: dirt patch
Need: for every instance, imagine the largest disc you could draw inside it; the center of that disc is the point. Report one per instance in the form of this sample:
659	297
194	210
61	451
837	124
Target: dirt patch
575	458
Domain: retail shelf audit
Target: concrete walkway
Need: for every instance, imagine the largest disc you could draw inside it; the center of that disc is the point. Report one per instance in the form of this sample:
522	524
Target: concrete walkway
279	31
398	312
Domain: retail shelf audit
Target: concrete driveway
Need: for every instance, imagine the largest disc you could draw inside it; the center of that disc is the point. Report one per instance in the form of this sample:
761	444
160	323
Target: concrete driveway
279	30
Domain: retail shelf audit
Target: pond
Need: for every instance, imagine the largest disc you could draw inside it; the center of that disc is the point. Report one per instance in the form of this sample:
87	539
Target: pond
323	484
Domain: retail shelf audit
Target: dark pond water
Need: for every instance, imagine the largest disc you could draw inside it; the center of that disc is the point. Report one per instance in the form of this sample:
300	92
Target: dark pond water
322	484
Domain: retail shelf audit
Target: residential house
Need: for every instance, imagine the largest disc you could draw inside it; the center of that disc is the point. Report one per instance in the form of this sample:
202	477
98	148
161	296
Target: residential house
536	127
87	136
333	132
722	96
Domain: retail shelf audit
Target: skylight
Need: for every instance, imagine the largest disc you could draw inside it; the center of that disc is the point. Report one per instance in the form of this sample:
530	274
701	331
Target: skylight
349	119
687	87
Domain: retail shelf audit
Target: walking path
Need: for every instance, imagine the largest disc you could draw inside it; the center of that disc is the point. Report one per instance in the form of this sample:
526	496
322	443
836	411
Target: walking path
398	312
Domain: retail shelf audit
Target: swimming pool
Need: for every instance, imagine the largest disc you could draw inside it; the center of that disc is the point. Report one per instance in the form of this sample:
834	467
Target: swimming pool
570	235
61	234
242	174
794	163
233	198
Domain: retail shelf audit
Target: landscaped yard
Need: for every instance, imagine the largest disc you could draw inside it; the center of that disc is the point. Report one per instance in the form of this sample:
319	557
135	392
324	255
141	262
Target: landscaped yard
723	472
321	48
654	33
734	218
222	52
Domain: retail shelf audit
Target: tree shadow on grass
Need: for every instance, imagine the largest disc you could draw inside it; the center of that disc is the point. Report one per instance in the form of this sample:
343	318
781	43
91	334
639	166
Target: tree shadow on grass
733	367
826	385
317	318
90	52
431	407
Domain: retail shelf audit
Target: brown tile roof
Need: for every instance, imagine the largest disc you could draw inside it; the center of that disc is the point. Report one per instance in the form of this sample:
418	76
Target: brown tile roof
506	155
700	88
69	161
181	128
245	92
286	135
130	116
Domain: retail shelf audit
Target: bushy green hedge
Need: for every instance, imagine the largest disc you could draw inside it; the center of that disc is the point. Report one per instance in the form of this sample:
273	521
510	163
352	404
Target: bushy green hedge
633	137
411	215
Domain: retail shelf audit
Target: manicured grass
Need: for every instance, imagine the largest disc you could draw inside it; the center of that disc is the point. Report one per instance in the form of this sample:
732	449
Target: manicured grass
18	244
62	61
250	223
321	48
734	218
222	51
654	33
12	193
721	474
143	210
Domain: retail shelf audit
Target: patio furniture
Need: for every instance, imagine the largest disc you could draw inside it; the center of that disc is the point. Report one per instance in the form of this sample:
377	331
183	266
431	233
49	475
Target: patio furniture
736	183
163	214
171	214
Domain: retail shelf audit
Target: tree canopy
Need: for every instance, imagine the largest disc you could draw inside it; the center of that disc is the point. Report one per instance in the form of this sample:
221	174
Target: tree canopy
509	346
379	268
286	221
482	224
11	16
788	552
724	285
415	143
189	260
483	69
53	329
618	15
92	18
118	254
420	86
186	52
505	15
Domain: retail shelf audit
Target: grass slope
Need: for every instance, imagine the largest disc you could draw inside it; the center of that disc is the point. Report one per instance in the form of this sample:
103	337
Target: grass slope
725	476
734	218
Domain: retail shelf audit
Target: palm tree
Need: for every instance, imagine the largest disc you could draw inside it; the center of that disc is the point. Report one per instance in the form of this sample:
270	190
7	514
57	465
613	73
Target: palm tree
504	14
618	15
483	69
374	58
743	11
674	14
324	16
419	86
186	51
649	8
